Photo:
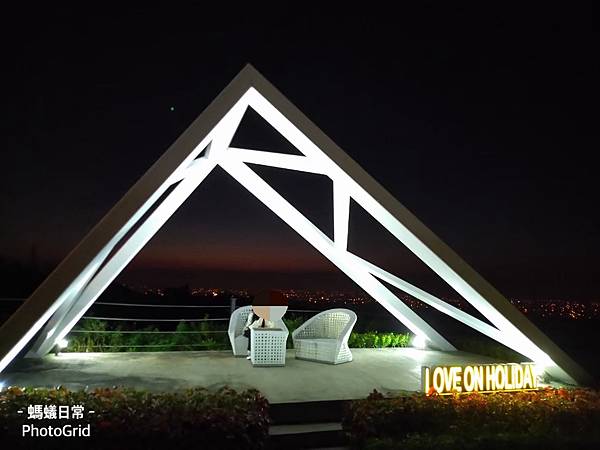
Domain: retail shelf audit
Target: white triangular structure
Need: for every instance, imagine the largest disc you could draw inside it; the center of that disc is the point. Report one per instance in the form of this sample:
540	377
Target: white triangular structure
62	299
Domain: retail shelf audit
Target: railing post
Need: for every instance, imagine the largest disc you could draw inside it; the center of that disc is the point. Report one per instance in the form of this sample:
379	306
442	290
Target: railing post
233	301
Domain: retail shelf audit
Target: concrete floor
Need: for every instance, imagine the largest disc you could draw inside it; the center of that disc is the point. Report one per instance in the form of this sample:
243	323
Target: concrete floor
389	370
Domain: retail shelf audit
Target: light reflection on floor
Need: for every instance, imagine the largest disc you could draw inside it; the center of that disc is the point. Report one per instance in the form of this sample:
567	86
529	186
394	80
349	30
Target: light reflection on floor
392	370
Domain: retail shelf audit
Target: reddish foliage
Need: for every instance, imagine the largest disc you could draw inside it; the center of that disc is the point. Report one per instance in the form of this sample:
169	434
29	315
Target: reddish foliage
139	419
548	412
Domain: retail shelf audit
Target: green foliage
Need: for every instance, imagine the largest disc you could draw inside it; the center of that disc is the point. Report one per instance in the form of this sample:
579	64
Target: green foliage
196	336
551	418
94	338
188	336
482	441
374	339
487	347
292	322
133	419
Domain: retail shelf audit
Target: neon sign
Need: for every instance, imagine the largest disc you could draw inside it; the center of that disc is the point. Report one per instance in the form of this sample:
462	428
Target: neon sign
445	380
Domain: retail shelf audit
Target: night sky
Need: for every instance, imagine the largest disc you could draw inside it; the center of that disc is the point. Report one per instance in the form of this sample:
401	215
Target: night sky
483	123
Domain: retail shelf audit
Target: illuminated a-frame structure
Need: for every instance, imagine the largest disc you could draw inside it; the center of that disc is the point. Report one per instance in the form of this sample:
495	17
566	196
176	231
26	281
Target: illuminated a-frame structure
62	299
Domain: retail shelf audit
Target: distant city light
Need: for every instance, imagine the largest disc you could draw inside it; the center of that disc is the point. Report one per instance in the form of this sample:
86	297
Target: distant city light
547	308
62	343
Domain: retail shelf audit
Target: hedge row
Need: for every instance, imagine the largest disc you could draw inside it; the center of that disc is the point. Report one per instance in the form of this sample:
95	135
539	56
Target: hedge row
226	419
98	336
374	339
90	337
552	418
134	419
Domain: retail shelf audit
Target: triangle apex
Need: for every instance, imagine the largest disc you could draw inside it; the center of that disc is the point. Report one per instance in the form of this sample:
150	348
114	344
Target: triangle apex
249	69
251	75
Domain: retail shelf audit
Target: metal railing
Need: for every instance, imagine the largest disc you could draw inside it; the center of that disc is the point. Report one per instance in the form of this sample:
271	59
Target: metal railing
125	305
147	305
135	319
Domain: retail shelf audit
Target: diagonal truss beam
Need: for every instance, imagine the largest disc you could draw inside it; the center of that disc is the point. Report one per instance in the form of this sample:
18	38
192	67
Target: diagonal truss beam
305	228
279	160
119	261
64	320
436	303
341	215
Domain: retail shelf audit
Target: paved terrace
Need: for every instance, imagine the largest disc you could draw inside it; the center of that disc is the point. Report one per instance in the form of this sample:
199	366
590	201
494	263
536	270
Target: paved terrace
389	370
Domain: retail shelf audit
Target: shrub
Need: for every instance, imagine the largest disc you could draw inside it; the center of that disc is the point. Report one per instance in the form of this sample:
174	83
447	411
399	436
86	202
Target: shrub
135	419
482	441
374	339
488	347
196	336
188	336
556	417
292	322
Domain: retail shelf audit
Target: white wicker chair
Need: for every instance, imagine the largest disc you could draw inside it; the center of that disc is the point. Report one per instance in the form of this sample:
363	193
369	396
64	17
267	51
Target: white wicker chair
324	337
239	342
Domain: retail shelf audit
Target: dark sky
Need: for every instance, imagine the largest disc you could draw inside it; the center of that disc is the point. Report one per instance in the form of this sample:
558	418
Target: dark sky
483	123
